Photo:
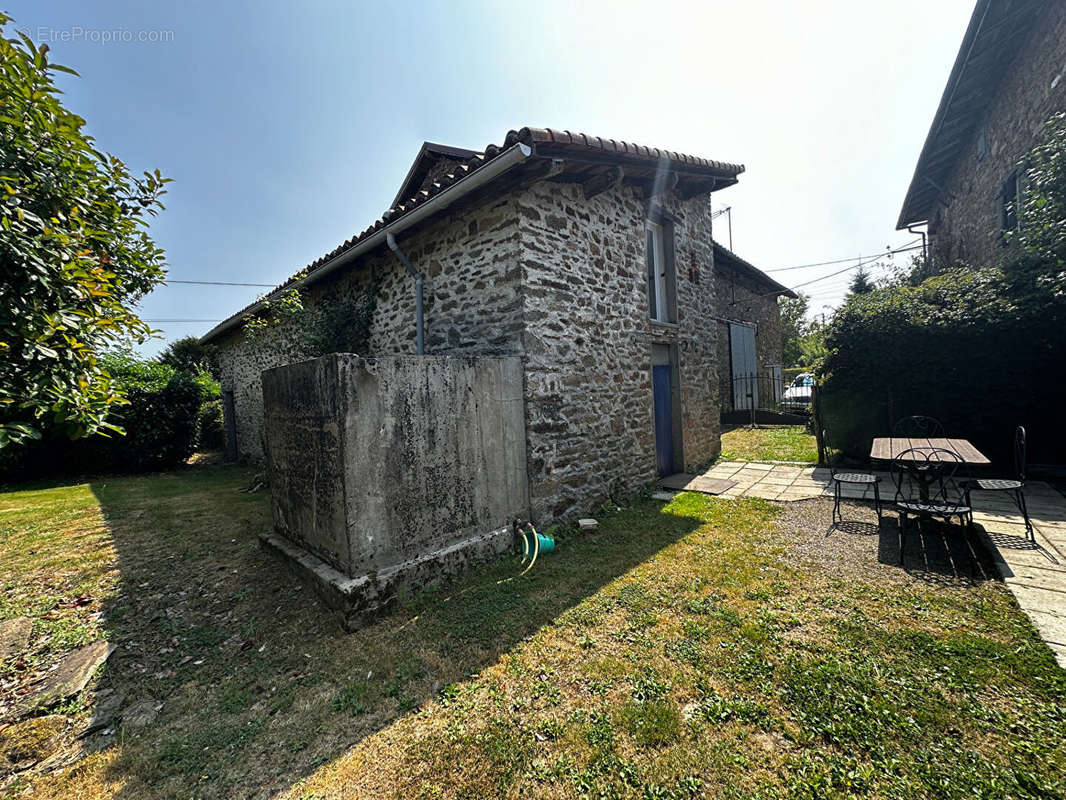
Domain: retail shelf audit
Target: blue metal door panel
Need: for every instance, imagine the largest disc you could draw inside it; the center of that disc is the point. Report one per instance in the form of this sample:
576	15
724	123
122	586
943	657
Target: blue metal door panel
664	429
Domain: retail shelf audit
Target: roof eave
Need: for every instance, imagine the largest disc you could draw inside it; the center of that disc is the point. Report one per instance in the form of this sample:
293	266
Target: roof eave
976	20
516	154
753	271
998	28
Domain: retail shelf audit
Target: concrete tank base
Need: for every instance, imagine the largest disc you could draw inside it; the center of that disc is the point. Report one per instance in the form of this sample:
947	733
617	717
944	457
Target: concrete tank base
388	475
361	600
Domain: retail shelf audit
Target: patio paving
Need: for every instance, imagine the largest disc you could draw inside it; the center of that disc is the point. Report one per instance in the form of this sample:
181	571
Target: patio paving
1034	572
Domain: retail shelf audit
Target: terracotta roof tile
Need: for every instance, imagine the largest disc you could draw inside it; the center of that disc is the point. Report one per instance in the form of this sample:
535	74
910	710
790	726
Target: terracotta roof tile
560	142
727	256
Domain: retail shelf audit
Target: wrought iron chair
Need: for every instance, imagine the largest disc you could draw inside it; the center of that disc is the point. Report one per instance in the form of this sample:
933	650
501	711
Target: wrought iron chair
918	427
930	482
1014	486
857	478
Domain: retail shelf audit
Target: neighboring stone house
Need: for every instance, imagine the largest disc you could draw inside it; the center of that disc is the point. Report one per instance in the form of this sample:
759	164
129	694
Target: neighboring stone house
749	330
590	259
1009	78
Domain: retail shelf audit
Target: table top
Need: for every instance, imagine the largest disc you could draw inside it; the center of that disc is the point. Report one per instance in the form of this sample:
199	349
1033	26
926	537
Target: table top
884	448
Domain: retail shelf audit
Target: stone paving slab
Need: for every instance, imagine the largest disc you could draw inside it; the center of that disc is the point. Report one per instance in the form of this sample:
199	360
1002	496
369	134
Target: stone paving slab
1034	572
14	637
696	483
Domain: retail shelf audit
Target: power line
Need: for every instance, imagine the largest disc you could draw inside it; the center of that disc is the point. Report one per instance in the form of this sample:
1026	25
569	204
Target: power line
838	272
903	249
225	283
861	263
859	259
161	321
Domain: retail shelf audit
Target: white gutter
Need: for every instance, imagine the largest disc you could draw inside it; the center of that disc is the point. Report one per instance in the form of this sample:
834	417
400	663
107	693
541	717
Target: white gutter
493	169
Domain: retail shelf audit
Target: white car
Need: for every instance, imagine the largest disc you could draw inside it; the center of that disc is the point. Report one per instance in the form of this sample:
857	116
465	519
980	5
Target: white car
797	396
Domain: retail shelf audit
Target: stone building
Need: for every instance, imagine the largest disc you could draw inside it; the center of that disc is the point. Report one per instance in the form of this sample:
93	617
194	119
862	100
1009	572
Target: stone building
1008	80
749	329
589	259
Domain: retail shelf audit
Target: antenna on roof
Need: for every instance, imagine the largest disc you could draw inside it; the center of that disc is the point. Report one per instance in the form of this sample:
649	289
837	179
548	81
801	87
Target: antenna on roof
728	211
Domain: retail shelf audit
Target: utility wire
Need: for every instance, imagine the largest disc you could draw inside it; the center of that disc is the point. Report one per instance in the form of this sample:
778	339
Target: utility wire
225	283
903	249
862	262
838	272
160	321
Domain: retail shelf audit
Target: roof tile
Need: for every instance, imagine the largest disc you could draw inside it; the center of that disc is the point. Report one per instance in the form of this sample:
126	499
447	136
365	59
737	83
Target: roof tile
528	136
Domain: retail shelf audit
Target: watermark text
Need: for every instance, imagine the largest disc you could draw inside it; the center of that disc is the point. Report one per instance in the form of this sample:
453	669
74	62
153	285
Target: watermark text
76	33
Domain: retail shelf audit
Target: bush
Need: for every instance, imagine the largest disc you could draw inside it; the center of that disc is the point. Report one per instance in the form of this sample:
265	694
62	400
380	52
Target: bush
159	419
212	433
188	355
75	254
968	347
980	349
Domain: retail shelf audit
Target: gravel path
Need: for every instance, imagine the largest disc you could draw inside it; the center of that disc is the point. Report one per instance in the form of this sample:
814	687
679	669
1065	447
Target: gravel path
858	548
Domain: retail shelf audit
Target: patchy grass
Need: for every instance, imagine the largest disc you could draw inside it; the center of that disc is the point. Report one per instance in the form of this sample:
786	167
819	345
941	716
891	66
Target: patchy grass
773	443
674	653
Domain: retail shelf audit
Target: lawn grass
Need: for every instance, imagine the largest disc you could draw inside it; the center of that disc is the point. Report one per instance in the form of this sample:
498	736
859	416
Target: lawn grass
769	443
677	652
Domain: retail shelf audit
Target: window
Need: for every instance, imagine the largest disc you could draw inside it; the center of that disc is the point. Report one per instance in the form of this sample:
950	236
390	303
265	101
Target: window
662	289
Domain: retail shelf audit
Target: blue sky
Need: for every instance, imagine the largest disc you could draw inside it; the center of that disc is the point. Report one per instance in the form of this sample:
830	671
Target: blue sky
288	127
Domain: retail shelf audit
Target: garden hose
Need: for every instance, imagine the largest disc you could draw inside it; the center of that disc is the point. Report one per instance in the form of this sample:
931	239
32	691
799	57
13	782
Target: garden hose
532	544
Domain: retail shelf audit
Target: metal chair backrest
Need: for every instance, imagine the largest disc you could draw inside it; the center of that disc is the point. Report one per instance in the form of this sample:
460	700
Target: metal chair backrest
942	473
917	427
828	453
900	471
1019	453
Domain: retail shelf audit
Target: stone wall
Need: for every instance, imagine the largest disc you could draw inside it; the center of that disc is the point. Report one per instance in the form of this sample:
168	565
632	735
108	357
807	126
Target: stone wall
1033	89
543	273
471	299
588	339
243	359
740	299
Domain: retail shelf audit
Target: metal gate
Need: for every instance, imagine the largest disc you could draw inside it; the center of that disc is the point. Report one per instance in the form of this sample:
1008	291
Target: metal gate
744	366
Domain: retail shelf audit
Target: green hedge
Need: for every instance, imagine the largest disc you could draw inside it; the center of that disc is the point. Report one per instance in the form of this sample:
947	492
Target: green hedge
972	348
212	434
161	419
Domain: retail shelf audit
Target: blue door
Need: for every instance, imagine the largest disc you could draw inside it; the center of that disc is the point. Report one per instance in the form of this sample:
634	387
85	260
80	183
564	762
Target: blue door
664	427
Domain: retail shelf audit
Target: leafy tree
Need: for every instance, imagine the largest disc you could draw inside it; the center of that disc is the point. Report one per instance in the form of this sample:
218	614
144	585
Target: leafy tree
812	345
188	355
160	418
861	282
165	414
74	253
979	348
802	340
793	327
1037	256
918	269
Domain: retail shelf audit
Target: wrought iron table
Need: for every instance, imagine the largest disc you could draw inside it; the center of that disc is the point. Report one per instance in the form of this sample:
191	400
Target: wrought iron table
887	448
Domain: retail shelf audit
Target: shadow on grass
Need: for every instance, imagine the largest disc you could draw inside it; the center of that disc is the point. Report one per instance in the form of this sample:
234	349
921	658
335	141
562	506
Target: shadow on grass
255	684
